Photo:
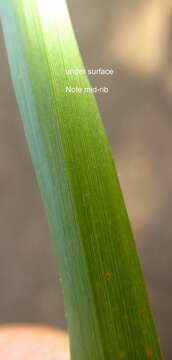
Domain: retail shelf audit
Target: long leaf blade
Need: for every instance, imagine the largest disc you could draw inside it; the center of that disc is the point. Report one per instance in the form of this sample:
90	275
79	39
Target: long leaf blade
107	307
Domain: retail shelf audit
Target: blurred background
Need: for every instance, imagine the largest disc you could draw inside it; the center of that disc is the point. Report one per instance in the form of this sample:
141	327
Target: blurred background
134	37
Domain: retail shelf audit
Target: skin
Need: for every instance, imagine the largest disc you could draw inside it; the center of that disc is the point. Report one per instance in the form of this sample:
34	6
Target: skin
26	342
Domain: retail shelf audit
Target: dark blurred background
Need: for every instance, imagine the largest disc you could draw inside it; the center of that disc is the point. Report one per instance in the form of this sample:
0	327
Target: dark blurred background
134	37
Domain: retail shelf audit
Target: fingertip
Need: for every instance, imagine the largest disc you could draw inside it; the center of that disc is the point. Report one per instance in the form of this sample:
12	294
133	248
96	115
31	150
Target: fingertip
33	343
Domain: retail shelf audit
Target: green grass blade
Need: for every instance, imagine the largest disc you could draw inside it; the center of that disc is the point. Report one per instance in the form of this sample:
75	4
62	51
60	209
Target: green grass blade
107	307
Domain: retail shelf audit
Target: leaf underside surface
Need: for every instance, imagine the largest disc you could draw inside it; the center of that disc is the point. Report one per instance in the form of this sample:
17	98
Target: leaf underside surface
107	306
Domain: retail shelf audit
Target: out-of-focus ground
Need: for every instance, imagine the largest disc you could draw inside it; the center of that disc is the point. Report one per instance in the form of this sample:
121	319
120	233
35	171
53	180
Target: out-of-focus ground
134	38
